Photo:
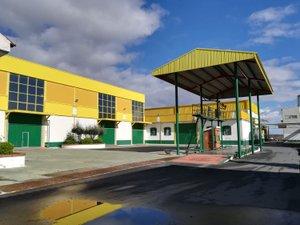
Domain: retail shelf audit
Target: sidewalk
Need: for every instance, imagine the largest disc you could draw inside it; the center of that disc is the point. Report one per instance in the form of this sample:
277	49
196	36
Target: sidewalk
45	163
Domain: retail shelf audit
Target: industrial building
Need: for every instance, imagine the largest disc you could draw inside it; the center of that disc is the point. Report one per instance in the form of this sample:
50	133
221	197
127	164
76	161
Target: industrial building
290	123
162	127
39	105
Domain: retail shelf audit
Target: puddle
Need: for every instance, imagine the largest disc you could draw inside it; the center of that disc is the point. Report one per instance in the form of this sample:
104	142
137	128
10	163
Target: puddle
76	211
134	216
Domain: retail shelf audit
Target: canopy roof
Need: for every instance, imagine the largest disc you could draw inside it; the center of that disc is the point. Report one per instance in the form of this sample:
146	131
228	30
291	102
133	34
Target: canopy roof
214	70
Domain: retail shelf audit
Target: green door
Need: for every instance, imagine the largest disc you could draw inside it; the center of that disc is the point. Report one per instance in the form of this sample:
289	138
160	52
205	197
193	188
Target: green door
24	130
187	133
108	132
138	134
25	139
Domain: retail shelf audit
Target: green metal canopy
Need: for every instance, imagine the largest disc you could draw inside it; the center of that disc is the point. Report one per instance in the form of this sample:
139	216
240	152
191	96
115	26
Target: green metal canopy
214	71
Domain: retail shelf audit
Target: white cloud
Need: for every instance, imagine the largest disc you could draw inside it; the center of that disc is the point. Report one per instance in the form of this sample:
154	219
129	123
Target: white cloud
272	14
270	115
284	76
90	38
267	25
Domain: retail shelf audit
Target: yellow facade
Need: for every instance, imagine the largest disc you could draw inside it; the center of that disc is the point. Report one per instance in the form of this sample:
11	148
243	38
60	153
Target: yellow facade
167	114
66	94
123	109
3	90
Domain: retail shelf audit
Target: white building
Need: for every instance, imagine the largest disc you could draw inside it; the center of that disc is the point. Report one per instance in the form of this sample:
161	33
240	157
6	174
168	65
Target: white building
290	122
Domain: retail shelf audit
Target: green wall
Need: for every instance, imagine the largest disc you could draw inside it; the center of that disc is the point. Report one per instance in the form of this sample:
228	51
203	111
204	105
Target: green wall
109	132
138	134
25	130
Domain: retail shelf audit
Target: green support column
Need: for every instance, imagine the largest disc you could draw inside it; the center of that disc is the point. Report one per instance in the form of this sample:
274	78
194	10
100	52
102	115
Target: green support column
176	113
259	127
221	134
202	121
237	108
251	119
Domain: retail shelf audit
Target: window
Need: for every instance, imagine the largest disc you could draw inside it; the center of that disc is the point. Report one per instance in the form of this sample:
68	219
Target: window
290	117
153	131
137	111
167	131
26	93
107	106
226	130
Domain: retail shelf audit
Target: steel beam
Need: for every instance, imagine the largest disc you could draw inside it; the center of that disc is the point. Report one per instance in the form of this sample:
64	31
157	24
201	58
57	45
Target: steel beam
202	120
259	126
251	118
237	108
177	113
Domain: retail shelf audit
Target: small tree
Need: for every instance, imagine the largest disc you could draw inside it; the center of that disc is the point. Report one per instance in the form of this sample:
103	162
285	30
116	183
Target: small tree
93	131
78	130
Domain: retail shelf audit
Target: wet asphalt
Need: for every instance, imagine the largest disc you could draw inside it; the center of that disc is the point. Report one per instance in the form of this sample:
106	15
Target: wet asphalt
260	189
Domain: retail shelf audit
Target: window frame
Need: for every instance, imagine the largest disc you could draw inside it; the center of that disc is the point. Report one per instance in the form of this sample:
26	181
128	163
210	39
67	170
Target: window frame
137	111
225	130
169	129
106	106
153	134
19	94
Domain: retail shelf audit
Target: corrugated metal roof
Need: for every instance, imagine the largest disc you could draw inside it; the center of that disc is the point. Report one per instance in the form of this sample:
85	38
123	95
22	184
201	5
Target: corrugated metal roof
213	69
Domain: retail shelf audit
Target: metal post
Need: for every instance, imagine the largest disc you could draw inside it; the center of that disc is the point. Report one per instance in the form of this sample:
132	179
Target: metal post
237	108
202	121
176	112
259	126
218	108
251	118
221	133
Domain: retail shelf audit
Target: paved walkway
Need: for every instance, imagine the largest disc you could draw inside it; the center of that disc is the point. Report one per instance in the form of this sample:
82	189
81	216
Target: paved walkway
45	163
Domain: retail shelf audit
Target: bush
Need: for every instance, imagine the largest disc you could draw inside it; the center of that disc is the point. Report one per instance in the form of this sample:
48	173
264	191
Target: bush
98	140
70	139
78	130
6	148
93	131
87	140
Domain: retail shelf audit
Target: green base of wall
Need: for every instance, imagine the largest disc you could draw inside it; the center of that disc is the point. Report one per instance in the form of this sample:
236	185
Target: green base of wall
53	144
159	142
123	142
243	142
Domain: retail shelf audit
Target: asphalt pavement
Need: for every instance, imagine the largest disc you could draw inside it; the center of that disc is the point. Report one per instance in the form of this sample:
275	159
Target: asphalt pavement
260	189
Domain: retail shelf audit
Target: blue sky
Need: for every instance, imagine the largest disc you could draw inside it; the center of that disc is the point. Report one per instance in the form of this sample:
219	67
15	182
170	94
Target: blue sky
122	43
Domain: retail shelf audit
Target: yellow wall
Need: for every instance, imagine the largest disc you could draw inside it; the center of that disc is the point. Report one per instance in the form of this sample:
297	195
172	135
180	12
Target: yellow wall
123	109
167	114
20	66
3	90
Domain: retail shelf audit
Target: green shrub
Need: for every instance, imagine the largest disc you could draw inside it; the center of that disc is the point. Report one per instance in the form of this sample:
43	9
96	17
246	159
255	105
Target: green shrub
78	130
86	140
98	140
70	139
93	131
6	148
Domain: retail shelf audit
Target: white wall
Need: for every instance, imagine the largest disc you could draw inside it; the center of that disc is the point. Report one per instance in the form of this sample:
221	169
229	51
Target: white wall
124	131
160	132
59	126
2	126
287	115
244	129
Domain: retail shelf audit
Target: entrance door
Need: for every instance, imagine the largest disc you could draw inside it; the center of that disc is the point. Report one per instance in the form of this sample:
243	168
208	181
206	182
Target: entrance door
25	139
108	132
137	134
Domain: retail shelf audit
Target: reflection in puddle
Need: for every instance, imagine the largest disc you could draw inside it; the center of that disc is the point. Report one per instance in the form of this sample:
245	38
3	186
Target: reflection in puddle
66	207
76	211
134	216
